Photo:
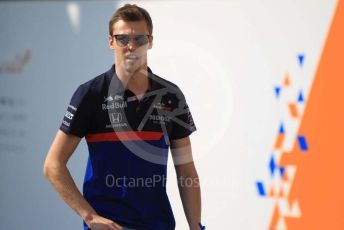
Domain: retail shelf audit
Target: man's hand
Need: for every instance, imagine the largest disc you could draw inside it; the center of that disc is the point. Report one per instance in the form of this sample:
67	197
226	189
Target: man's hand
100	223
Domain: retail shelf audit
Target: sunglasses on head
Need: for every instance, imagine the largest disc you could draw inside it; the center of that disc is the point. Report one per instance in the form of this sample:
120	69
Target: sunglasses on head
124	39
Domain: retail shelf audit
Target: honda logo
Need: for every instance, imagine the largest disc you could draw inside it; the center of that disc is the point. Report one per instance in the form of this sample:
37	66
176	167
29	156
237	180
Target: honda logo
115	117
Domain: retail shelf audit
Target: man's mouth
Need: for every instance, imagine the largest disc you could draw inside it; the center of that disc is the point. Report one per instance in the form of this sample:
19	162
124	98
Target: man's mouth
132	57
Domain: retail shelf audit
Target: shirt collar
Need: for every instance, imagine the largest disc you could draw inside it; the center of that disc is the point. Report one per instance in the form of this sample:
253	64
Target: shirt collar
116	85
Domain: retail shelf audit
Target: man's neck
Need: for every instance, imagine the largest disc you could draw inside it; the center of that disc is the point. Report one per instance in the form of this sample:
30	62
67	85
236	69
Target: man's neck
137	81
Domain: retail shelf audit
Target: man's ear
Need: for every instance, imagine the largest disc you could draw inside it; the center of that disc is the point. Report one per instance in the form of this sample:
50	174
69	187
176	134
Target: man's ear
150	42
111	43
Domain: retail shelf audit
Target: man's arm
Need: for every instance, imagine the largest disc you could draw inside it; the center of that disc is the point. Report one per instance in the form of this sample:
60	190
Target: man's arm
55	169
188	181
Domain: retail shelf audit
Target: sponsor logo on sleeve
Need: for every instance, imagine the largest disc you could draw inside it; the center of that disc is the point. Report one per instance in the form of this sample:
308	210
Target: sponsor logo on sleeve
69	115
66	123
72	107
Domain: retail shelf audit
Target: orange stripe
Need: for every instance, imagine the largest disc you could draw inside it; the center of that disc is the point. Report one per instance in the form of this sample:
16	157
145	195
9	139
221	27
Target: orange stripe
286	81
293	110
272	192
274	219
279	141
281	193
124	136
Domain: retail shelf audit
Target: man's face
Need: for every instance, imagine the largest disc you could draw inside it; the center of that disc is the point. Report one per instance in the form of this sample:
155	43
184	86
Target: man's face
130	54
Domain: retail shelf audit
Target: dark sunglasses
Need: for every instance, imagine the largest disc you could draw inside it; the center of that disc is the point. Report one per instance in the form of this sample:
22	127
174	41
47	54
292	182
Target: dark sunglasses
124	39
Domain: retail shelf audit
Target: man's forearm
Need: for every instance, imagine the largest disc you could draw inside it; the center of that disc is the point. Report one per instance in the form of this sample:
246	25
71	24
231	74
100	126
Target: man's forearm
190	193
63	182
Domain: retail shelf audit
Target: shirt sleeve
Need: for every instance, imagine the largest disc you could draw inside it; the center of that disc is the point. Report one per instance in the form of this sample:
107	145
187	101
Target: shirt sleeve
77	118
182	121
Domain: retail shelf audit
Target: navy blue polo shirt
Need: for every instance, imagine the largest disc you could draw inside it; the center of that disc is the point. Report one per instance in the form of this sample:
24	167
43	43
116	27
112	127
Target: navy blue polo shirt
128	140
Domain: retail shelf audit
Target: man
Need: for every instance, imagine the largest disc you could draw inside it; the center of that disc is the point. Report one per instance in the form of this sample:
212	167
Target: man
129	117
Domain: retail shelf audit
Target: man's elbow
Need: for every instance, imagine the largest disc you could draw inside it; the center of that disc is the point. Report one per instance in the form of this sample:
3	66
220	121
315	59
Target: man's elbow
46	169
50	168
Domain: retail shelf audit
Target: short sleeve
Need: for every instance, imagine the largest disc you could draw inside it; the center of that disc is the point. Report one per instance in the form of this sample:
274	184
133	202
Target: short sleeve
182	121
77	118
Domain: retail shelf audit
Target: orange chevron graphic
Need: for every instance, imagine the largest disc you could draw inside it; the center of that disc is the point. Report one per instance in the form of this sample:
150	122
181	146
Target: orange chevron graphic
318	184
286	82
293	110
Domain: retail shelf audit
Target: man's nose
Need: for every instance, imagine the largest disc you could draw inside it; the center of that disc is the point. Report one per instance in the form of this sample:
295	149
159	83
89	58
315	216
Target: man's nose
132	44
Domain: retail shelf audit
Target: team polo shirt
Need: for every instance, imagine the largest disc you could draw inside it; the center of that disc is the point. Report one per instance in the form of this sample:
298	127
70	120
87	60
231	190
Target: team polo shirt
128	140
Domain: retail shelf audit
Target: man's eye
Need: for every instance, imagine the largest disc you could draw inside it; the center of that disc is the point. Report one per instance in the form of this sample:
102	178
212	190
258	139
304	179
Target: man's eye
141	40
123	39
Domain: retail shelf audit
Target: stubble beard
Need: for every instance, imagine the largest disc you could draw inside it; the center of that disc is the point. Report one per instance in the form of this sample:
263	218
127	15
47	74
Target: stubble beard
131	69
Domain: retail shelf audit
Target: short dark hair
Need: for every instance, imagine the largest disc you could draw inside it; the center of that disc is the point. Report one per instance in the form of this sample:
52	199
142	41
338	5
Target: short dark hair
131	13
